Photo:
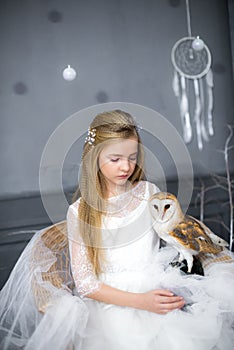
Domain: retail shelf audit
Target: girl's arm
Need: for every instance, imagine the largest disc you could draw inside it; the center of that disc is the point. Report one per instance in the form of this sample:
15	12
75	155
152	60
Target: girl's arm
87	284
159	301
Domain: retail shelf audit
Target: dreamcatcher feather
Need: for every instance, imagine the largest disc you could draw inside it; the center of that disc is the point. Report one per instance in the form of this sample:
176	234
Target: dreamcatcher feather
191	59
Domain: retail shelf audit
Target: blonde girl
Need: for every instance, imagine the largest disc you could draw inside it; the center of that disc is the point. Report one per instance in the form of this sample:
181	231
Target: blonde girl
113	161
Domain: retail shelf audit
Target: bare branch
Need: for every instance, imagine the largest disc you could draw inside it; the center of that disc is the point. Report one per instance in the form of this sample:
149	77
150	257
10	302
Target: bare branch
223	183
230	147
229	182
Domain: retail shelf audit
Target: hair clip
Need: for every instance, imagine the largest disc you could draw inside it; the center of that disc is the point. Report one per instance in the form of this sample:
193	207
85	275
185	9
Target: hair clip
91	136
138	128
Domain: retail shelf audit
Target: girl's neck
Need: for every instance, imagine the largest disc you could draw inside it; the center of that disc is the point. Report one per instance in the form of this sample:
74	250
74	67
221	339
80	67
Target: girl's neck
116	191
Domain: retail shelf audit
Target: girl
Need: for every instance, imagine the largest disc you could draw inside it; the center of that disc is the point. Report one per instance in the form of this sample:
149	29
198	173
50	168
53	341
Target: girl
120	293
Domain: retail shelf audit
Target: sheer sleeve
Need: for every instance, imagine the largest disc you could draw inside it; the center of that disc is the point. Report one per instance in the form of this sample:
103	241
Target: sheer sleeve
85	279
152	188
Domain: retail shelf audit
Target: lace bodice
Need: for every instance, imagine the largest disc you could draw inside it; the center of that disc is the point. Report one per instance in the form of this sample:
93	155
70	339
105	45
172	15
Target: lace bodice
127	235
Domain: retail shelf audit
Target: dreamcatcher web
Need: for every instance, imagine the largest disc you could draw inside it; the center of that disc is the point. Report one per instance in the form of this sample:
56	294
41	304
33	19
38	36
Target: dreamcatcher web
191	59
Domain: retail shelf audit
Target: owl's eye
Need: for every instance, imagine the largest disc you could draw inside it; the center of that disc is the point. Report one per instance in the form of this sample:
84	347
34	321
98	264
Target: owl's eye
155	207
167	206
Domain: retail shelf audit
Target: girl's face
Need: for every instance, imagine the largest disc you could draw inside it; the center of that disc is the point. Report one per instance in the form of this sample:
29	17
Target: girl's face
117	162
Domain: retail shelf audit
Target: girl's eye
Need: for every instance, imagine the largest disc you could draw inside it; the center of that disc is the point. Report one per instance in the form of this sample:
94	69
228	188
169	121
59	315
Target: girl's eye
114	159
133	159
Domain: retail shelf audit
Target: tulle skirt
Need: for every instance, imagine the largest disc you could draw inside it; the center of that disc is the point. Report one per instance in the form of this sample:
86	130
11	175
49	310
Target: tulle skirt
57	318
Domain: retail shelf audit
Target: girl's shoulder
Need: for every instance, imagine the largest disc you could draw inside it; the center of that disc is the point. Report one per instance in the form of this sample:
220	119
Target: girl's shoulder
152	188
74	206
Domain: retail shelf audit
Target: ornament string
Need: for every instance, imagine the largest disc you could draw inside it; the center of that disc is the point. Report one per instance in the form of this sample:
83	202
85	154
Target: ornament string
188	18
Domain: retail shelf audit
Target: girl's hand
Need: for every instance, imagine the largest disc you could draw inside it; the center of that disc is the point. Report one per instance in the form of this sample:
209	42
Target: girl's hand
161	301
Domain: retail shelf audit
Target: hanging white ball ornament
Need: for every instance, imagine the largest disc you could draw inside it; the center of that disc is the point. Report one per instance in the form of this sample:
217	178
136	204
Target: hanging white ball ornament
69	73
198	44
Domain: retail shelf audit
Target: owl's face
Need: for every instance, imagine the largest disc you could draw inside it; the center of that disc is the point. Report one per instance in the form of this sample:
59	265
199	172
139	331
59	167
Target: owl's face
163	206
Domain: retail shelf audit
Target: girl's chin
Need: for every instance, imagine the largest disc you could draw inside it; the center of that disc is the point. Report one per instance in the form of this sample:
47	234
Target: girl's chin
121	182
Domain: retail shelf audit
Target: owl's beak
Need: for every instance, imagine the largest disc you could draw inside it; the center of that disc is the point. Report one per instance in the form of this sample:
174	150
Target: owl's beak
164	212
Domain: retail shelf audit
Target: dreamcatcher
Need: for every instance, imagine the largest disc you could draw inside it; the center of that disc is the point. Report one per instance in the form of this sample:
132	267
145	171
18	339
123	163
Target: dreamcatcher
191	59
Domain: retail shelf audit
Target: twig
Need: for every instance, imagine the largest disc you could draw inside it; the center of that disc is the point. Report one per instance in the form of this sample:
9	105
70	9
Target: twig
221	182
229	183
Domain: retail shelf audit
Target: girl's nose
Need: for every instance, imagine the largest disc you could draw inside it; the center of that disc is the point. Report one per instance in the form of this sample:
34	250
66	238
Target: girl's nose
125	165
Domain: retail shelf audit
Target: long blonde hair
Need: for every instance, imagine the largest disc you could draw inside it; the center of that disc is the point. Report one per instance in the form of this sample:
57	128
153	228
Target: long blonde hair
92	188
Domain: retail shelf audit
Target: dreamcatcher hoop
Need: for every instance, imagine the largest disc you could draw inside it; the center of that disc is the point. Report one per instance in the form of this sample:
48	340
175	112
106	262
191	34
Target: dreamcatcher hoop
191	59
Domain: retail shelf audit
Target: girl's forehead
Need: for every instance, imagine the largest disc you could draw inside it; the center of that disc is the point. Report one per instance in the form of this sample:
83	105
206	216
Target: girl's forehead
121	146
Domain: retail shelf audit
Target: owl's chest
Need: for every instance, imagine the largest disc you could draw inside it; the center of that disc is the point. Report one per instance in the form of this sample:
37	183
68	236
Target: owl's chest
167	238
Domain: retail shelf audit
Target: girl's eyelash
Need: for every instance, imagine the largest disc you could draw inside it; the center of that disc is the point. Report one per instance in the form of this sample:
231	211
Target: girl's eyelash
116	159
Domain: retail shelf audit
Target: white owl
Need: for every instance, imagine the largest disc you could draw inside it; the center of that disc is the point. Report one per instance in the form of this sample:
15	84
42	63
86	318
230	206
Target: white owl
186	234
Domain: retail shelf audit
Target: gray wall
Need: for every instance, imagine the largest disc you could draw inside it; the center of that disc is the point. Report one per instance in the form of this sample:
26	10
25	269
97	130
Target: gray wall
121	50
231	26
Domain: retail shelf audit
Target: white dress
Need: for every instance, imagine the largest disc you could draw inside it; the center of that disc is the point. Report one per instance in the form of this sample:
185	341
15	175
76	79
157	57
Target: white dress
134	263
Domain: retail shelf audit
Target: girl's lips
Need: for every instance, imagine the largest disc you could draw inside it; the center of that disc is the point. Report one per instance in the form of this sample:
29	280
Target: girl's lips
123	176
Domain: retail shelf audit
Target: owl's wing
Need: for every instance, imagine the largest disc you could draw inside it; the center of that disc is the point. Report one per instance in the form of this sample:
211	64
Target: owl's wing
191	235
216	239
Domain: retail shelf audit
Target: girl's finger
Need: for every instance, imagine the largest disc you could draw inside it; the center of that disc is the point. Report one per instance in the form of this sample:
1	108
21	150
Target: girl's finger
163	292
173	306
170	300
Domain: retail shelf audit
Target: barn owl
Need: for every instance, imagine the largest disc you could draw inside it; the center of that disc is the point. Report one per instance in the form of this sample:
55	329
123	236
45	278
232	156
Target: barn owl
186	234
